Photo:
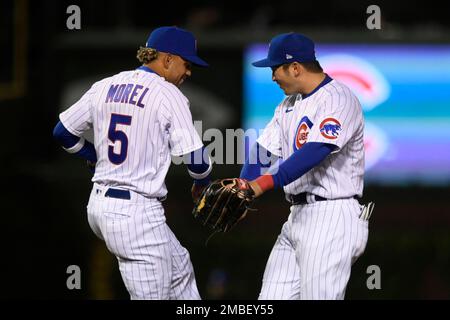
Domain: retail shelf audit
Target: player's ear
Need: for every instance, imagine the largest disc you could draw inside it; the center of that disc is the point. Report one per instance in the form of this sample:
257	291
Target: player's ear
297	68
167	60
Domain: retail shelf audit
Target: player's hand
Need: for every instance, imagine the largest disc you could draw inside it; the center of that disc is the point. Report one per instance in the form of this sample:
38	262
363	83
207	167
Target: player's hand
256	188
244	184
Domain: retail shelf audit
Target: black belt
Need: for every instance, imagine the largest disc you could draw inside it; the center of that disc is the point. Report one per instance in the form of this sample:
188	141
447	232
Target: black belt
118	194
123	194
300	199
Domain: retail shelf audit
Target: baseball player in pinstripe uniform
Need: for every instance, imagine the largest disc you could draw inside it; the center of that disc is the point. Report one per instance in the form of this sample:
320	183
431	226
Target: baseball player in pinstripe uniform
140	118
317	131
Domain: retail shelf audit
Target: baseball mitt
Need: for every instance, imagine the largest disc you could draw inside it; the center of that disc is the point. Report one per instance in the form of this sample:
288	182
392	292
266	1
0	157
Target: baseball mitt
223	203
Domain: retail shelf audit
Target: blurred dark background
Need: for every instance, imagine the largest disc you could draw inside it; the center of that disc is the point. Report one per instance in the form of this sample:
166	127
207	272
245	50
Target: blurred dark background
44	67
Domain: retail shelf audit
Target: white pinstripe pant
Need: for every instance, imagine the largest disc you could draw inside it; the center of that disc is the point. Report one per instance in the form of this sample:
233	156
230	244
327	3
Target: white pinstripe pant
313	255
152	262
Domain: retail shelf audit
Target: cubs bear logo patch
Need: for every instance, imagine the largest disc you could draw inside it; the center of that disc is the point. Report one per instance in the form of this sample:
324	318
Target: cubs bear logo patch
330	128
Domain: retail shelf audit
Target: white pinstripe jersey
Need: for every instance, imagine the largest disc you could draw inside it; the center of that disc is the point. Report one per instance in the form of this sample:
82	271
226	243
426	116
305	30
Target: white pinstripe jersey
332	115
139	120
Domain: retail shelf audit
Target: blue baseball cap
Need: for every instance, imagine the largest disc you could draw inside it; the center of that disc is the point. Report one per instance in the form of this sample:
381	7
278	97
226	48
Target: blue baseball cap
287	48
175	41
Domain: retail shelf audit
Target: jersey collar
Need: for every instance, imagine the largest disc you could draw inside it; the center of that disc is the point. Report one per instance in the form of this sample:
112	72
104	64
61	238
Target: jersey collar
147	69
324	82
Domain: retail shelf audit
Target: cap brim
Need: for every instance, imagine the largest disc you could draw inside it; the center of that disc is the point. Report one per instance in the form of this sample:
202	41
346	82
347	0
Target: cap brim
266	63
196	60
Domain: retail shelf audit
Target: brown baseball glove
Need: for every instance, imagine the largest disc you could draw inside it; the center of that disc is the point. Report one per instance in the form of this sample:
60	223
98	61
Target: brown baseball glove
223	203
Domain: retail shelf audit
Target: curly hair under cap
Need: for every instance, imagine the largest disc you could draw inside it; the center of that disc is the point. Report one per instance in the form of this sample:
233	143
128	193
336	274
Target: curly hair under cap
146	55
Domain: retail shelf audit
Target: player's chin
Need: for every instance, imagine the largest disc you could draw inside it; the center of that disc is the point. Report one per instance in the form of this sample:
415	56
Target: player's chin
286	91
283	88
180	82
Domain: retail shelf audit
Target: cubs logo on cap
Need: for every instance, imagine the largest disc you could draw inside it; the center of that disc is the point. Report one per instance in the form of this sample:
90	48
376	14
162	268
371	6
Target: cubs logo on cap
301	135
330	128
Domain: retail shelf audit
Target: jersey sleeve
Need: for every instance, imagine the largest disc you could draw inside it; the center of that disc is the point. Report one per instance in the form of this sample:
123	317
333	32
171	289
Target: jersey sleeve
177	120
78	118
339	116
270	139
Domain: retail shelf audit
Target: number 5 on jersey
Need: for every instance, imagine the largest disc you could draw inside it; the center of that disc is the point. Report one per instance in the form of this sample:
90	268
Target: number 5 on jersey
117	135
